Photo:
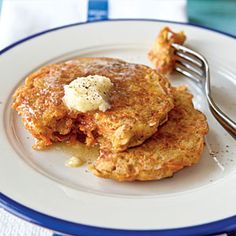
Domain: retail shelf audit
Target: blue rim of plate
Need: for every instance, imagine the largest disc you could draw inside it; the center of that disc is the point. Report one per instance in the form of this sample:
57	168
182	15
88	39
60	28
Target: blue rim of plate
221	226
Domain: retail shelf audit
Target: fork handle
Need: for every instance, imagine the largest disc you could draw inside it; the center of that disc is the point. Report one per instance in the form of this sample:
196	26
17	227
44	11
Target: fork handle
228	124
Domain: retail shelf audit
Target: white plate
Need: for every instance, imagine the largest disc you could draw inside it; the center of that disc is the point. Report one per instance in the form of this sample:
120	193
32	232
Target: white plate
72	200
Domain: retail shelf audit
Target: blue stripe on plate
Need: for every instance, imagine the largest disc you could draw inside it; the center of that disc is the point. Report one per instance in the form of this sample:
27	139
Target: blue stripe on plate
70	228
97	10
59	225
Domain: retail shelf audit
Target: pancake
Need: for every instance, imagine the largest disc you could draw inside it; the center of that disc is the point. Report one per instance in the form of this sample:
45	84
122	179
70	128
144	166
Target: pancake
140	100
178	143
162	54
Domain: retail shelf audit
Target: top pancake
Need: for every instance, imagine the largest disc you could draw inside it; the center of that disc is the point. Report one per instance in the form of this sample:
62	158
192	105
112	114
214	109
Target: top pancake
140	100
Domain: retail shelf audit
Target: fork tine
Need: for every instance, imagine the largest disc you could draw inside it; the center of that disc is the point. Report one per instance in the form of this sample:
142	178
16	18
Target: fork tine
194	54
185	71
194	60
190	66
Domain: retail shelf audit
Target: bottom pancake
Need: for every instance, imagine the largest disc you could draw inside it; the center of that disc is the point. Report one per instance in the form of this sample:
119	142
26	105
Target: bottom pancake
177	144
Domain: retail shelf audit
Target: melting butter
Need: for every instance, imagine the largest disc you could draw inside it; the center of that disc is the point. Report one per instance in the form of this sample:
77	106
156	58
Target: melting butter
88	93
74	162
78	154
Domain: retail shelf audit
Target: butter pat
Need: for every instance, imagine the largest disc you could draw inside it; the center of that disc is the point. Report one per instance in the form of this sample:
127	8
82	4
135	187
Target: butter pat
88	93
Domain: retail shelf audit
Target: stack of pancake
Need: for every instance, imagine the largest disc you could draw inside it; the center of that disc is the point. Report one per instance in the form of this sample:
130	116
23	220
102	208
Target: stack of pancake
151	130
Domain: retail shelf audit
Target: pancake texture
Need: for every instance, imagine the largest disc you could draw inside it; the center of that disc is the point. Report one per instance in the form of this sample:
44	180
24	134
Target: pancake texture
162	54
178	143
140	101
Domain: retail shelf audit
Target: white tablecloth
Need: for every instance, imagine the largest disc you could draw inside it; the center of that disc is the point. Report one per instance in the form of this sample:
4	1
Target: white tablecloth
20	18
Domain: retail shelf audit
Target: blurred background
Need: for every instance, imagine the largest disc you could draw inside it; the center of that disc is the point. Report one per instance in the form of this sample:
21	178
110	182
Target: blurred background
21	18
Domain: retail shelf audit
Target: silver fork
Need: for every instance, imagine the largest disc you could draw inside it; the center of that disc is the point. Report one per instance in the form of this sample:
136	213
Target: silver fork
195	66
